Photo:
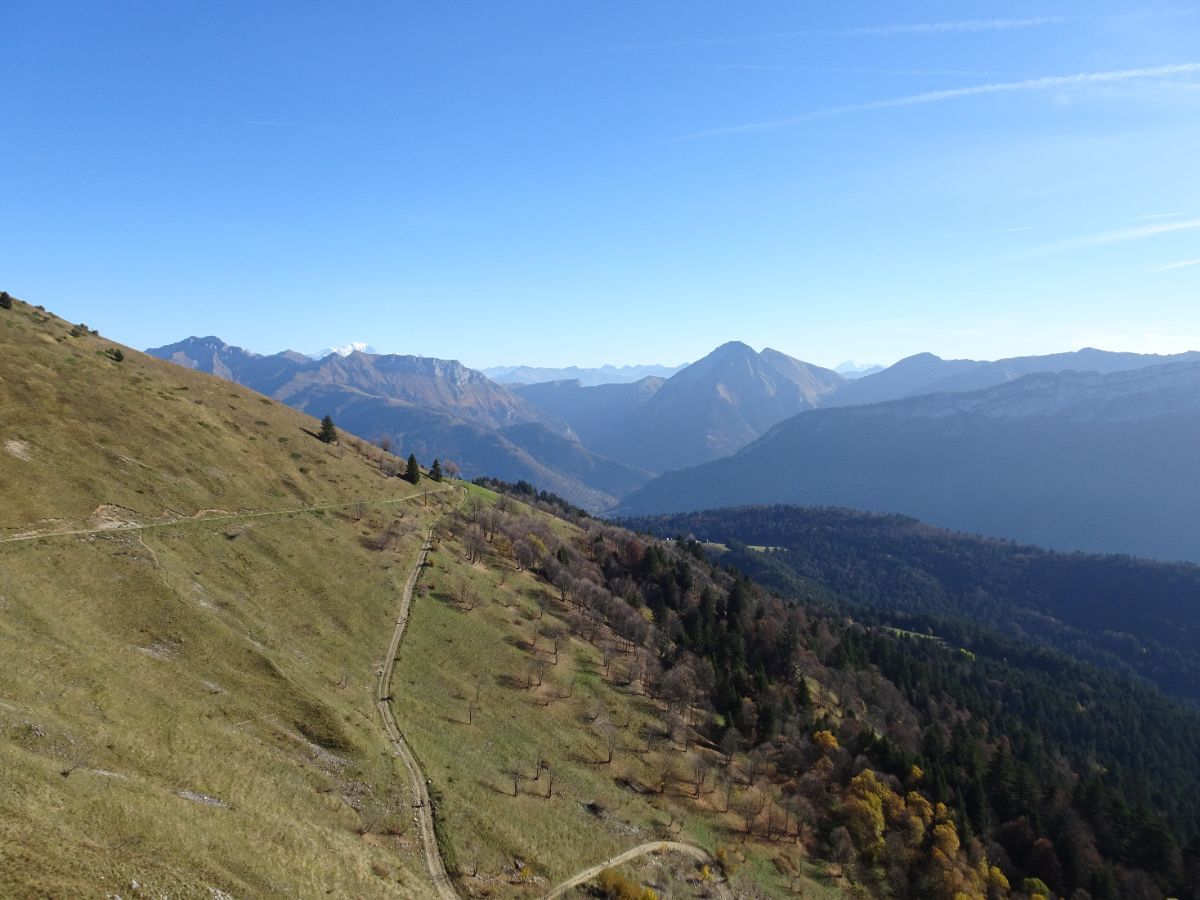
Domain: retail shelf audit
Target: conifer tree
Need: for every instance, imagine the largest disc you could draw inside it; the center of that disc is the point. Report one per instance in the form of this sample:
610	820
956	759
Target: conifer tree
328	433
435	471
412	472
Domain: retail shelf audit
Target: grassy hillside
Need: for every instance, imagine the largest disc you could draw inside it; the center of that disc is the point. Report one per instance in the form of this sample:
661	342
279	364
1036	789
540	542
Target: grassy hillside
188	705
195	597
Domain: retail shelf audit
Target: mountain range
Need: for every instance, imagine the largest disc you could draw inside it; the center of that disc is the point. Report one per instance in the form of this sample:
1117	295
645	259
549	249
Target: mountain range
1087	450
430	407
1067	460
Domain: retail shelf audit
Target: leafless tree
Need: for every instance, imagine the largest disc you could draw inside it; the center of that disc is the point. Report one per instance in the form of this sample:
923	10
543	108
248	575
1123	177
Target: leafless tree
465	593
651	736
756	766
609	735
474	701
725	784
750	806
536	673
608	652
513	771
474	543
385	444
698	768
490	523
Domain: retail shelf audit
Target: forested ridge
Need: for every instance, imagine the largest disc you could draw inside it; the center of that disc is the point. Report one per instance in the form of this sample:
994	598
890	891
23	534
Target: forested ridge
1133	615
967	763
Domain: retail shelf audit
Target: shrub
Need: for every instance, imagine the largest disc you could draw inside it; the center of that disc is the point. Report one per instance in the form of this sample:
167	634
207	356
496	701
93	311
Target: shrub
116	354
615	886
5	300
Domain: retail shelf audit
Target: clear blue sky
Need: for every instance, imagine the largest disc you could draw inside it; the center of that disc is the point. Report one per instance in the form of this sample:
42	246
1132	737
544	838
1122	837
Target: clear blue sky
551	183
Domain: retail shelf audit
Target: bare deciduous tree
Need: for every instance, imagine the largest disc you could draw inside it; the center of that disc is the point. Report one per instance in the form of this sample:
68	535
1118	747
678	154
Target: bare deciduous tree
609	736
474	701
513	771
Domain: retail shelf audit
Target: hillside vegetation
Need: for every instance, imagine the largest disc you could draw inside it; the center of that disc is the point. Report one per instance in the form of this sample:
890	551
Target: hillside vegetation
195	595
1133	615
185	699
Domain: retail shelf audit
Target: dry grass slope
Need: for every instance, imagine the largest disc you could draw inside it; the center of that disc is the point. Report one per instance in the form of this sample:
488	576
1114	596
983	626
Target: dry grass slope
189	706
188	703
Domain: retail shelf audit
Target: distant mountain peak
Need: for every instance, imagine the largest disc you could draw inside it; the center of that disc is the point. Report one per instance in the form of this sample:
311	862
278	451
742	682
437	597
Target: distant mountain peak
733	347
852	369
343	350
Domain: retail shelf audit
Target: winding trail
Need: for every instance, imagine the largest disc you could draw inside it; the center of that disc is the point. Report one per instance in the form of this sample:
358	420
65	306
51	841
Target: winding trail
434	863
633	853
121	527
416	778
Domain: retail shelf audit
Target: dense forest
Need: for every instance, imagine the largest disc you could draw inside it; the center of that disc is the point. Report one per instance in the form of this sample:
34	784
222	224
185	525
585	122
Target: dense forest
1136	616
967	763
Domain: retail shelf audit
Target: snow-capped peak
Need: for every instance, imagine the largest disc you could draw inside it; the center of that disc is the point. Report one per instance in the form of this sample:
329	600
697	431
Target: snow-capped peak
343	350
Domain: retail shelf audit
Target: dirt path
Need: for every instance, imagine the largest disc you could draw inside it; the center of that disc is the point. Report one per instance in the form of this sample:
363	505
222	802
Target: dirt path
416	778
641	850
118	528
417	782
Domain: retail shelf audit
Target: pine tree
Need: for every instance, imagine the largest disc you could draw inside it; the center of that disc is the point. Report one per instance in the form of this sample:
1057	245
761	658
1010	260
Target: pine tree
328	433
412	472
435	471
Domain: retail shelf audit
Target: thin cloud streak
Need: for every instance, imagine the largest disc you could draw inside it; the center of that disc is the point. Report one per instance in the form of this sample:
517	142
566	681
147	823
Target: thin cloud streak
1182	264
916	29
969	26
842	70
1120	236
1081	79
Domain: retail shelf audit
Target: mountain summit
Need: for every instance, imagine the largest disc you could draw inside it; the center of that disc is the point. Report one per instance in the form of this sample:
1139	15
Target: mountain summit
716	406
343	350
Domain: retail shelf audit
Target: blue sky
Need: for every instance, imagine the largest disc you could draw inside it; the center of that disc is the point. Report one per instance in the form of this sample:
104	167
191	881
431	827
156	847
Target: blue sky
552	183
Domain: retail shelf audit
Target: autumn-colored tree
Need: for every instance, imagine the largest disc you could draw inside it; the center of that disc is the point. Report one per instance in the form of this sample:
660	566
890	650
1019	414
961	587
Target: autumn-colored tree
825	741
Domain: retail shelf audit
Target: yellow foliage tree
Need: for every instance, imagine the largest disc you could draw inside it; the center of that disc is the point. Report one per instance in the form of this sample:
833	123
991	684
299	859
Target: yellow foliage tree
825	741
